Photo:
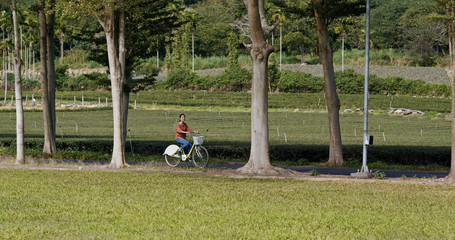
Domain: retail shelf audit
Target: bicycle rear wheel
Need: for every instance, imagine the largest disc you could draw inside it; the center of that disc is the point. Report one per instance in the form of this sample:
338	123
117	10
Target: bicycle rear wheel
172	161
200	156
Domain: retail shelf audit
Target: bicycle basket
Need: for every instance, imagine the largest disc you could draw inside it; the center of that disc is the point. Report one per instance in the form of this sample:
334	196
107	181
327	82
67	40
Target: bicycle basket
198	140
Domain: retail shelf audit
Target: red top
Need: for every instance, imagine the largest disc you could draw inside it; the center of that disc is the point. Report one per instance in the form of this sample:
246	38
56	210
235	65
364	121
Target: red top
179	130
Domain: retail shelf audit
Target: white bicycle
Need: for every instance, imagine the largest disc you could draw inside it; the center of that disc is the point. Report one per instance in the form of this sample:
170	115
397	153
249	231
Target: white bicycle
197	154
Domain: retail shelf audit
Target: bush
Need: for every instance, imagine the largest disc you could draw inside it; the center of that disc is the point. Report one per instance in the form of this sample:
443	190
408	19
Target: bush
180	79
61	78
235	79
299	82
147	69
90	81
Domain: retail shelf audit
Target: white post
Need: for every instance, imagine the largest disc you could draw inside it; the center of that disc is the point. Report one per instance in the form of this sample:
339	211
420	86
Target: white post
6	87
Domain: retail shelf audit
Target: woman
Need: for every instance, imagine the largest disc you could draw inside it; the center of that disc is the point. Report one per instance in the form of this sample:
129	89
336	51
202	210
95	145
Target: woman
181	129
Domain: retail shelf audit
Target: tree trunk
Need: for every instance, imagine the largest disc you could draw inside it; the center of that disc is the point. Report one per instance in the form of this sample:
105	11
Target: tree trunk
125	79
113	40
20	158
451	74
62	46
49	141
333	102
259	161
302	54
51	65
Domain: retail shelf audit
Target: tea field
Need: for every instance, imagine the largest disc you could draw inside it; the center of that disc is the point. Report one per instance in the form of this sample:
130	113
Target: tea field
241	100
294	135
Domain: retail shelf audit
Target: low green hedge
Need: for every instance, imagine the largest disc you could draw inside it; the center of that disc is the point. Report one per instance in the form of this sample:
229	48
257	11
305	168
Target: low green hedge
347	82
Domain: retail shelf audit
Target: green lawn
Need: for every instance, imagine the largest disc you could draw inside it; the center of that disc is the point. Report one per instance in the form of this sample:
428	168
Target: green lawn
52	204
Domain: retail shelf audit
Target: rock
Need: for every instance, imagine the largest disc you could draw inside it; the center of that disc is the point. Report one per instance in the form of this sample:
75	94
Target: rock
404	111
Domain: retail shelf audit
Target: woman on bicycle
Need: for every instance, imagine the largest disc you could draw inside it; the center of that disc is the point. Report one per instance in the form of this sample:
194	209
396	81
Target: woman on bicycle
181	129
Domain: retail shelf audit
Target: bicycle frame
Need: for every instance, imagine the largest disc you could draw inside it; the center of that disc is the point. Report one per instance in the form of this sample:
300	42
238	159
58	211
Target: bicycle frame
189	153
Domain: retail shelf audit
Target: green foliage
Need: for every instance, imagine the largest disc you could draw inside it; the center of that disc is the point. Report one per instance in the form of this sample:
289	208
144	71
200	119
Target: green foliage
233	56
235	79
379	175
78	58
179	79
353	83
61	77
314	172
273	72
299	82
90	81
147	68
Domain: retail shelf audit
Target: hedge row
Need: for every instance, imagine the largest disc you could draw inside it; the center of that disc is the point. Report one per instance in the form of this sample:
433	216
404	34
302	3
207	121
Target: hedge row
347	82
403	155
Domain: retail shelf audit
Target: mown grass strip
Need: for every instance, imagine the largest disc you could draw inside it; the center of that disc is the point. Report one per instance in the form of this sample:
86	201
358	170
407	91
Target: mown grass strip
51	204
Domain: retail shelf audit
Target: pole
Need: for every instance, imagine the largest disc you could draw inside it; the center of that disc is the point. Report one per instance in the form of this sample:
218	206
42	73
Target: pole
364	172
366	93
192	43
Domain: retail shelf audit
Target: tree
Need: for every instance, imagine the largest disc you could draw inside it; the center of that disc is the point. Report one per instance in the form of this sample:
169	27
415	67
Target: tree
20	159
47	87
325	12
113	17
421	36
449	18
259	50
213	25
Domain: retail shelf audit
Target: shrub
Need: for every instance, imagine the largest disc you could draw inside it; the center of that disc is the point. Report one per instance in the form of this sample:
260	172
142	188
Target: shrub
299	82
61	78
90	81
180	79
147	69
235	79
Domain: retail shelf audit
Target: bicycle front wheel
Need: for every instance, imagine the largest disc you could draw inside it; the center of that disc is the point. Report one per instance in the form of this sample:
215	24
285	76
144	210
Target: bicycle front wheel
200	156
172	161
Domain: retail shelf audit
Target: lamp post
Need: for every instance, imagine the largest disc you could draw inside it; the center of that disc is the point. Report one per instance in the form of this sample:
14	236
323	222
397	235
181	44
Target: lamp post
367	140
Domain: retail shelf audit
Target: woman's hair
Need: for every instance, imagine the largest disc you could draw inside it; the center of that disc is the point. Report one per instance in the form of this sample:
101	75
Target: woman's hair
181	115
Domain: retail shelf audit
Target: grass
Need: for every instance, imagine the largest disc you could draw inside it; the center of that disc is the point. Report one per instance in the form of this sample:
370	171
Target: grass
51	204
411	140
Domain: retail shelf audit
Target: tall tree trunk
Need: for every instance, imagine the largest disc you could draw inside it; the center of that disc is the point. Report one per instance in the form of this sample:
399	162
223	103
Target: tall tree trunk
20	158
62	46
259	161
125	79
451	74
51	65
333	102
49	141
302	54
113	41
